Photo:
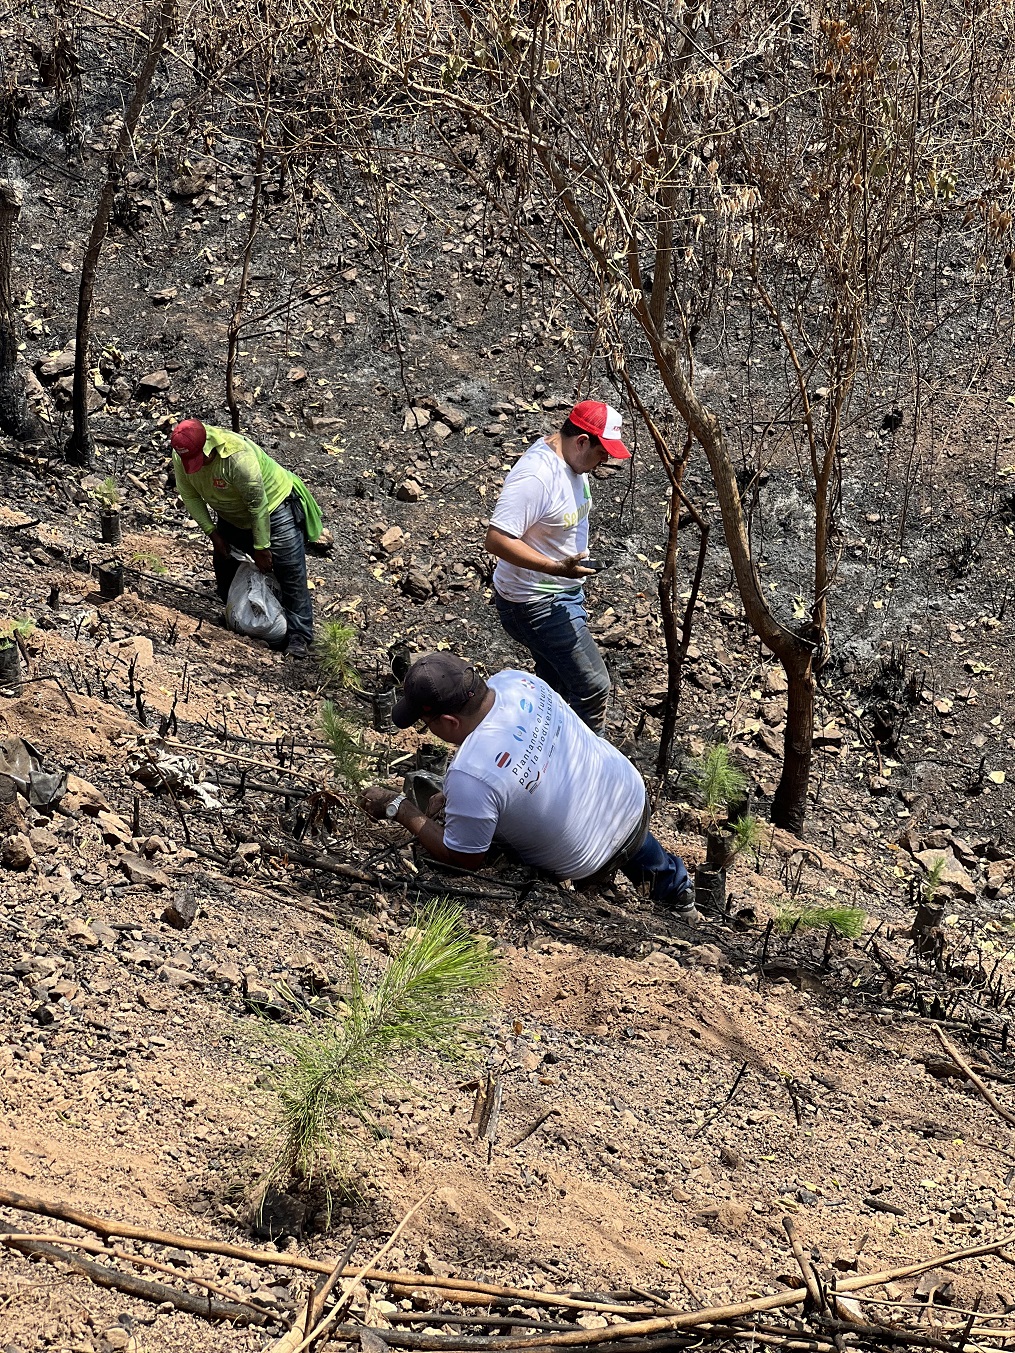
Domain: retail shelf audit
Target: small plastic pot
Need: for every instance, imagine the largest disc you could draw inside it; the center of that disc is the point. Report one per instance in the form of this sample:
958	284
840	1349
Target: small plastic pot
10	669
110	576
719	851
710	890
383	704
110	526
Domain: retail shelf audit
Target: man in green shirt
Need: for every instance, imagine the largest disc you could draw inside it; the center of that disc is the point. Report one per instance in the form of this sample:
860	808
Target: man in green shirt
260	508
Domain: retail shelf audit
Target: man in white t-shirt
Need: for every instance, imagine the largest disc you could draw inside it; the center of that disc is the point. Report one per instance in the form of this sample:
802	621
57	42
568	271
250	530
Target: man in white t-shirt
531	775
539	532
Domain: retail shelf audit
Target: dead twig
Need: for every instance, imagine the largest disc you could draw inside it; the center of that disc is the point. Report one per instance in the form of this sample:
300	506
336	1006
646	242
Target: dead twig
96	1247
533	1127
104	1276
810	1281
292	1342
987	1095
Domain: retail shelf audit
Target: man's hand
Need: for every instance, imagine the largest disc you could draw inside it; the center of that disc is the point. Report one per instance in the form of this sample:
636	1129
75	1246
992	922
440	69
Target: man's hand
435	805
573	567
375	800
262	558
219	544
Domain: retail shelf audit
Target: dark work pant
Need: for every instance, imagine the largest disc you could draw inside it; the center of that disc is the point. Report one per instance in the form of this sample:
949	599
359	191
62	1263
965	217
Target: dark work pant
665	874
555	630
289	563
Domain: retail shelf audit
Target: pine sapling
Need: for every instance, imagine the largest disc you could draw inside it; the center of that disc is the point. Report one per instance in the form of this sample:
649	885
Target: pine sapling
718	780
333	650
426	1000
107	494
345	745
846	921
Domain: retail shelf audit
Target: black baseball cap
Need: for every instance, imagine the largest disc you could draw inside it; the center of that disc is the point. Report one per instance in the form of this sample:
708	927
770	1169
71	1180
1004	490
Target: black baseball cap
437	683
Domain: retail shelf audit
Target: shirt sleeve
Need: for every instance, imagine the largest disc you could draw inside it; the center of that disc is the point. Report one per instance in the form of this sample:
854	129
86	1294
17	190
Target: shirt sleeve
470	813
191	499
523	501
244	475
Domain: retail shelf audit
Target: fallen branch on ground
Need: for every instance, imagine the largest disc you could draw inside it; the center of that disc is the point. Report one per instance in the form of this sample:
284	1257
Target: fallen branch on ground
664	1328
104	1276
972	1077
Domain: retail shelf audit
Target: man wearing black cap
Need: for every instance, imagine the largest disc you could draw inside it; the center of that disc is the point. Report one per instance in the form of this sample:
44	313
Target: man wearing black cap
539	532
531	774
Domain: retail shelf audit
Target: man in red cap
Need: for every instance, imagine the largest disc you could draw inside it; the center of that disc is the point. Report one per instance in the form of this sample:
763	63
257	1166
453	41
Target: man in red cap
539	532
260	508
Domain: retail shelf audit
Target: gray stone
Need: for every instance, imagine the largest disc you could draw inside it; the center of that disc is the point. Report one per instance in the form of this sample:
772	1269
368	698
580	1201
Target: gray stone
155	383
952	873
415	417
416	584
16	851
180	913
409	491
448	414
81	930
59	365
392	540
140	870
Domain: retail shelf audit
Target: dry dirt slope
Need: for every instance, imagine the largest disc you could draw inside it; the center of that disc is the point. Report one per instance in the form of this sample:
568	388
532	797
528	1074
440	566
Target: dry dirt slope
129	1066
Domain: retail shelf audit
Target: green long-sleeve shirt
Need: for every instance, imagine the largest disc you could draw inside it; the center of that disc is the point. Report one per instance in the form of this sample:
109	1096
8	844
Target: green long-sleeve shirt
241	483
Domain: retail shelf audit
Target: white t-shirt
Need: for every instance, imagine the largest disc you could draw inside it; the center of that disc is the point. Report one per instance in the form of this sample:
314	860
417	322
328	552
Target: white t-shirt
536	776
545	504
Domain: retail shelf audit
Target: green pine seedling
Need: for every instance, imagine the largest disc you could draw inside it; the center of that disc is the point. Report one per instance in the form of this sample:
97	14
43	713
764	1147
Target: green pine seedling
426	1000
11	630
332	649
345	745
934	877
718	780
108	493
747	835
846	921
151	563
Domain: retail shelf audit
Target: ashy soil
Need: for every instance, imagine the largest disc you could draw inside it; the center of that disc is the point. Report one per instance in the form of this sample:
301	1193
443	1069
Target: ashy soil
701	1085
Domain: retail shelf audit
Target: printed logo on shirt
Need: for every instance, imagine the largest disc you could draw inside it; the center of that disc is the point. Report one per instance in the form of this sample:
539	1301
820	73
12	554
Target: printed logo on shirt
519	733
219	483
527	683
542	737
504	759
573	518
526	706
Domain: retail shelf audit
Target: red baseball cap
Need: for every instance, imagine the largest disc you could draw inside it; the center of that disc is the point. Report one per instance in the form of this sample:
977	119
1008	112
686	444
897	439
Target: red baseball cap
603	421
187	440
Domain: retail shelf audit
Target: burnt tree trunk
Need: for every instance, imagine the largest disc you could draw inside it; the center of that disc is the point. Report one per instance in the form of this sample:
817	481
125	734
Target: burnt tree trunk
789	806
15	419
80	449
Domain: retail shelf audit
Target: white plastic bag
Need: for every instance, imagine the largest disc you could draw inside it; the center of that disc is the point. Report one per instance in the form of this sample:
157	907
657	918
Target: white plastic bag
252	606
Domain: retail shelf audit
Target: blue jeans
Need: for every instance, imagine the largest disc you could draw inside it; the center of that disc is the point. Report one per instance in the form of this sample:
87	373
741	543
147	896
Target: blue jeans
665	874
289	564
555	631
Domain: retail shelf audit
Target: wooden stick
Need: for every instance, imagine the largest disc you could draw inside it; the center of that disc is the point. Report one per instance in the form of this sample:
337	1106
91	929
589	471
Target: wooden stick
530	1297
276	1259
96	1247
349	1288
104	1276
222	754
810	1281
971	1076
533	1127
